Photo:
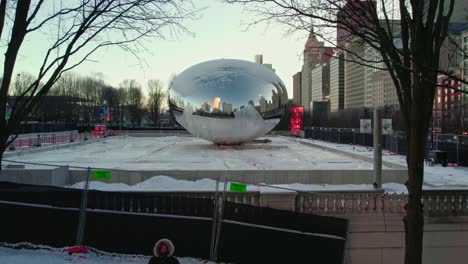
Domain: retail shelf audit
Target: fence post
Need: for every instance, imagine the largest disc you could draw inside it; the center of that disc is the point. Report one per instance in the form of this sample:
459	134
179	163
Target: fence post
220	220
215	221
82	215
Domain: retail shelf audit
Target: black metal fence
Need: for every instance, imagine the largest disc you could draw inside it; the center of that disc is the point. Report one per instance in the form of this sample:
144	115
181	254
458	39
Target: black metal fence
456	146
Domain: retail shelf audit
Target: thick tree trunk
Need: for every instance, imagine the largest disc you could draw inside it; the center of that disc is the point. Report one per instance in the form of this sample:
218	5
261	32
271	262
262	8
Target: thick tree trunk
414	219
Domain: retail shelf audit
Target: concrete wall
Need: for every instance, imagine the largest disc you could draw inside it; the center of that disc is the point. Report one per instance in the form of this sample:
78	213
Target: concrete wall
255	176
54	176
380	239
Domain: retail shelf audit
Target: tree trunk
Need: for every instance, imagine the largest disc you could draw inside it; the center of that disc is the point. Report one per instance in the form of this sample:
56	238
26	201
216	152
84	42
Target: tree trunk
3	146
414	219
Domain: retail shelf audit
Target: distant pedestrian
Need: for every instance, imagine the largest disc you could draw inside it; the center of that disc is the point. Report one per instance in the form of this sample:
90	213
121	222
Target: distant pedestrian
163	253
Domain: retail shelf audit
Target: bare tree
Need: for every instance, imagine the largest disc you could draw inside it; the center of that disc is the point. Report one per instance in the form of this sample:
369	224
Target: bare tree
21	83
156	97
85	27
134	100
408	36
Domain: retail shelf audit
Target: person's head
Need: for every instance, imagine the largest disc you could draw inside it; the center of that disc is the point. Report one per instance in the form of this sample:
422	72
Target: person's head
163	248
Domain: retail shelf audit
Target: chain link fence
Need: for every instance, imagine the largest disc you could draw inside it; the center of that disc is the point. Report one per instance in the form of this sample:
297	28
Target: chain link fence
205	218
456	146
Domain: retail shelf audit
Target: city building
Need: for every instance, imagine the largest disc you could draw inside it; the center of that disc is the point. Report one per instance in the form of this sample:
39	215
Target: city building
447	109
321	82
269	66
216	103
258	59
337	82
315	53
297	89
355	80
227	108
464	72
345	23
384	91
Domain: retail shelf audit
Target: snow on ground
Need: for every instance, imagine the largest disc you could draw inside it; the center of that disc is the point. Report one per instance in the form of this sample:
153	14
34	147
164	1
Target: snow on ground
190	153
168	184
59	256
435	177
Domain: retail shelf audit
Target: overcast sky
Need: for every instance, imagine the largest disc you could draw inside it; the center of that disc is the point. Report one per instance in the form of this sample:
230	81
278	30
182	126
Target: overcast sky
219	33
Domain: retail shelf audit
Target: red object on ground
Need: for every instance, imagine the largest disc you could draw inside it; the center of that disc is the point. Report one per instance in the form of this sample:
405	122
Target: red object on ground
77	250
296	119
99	130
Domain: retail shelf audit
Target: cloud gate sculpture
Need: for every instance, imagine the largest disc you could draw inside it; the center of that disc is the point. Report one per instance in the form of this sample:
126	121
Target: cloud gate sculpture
228	101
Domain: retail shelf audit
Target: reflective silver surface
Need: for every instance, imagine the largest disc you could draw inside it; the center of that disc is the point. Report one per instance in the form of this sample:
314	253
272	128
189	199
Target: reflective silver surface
228	101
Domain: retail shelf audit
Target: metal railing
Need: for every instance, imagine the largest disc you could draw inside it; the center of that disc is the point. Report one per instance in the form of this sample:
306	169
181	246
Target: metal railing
456	146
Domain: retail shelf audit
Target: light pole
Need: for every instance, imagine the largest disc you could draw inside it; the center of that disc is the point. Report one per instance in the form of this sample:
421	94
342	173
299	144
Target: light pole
120	117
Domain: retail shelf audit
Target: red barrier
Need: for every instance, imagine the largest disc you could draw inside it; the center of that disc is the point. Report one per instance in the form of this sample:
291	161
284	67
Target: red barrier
30	142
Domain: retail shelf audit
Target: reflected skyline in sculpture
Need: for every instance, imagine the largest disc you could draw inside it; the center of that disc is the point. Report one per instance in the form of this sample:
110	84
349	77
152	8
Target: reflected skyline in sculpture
252	96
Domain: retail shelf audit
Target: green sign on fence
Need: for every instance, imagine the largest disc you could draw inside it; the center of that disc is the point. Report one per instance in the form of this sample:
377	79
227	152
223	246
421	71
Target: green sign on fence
101	175
237	187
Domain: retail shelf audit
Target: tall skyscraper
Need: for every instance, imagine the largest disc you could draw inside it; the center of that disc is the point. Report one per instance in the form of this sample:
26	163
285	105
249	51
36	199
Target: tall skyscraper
297	89
464	72
354	74
315	53
320	82
353	15
258	59
337	83
216	102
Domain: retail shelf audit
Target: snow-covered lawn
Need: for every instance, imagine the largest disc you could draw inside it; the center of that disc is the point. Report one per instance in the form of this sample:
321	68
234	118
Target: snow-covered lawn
190	153
434	176
60	256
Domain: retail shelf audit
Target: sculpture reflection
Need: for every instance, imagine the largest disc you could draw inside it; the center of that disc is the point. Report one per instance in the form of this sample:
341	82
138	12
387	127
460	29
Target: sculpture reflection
228	101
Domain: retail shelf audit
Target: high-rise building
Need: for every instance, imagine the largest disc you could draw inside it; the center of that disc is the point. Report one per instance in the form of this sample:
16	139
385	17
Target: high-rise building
216	102
258	59
447	104
353	15
337	83
384	91
354	74
227	108
464	73
315	53
321	82
297	89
